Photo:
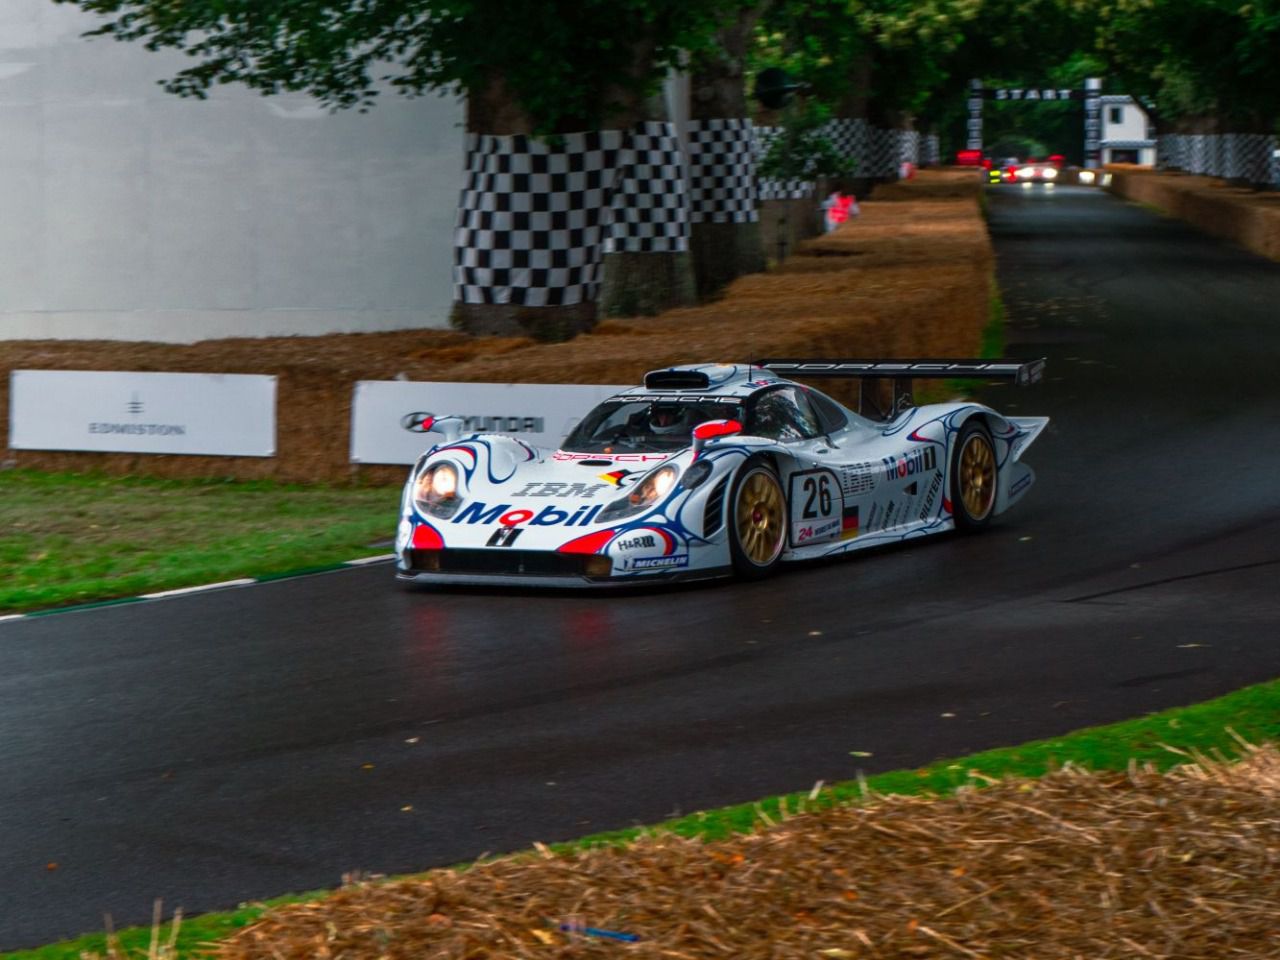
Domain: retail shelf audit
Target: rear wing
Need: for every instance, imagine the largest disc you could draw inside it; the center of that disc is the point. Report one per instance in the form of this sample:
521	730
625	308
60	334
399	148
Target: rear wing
900	373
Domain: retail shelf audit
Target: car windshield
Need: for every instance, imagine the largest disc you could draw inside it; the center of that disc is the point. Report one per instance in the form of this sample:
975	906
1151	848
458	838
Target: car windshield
625	424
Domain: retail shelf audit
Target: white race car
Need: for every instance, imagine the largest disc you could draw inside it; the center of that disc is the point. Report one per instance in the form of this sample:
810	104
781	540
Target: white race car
709	470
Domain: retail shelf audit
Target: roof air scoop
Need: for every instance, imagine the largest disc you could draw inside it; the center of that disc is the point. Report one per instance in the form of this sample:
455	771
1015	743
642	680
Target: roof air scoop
676	380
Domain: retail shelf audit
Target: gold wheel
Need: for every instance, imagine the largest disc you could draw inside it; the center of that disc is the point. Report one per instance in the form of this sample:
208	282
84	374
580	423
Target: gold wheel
977	472
760	512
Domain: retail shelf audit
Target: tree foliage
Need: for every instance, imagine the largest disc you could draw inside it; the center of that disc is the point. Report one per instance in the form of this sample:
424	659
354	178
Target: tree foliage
1198	58
571	63
802	150
568	63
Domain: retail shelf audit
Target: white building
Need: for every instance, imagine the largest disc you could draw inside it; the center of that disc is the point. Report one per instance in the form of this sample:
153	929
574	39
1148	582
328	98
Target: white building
1127	136
128	213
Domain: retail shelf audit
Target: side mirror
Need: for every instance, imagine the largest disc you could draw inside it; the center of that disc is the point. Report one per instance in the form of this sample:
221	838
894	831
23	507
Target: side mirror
703	433
448	427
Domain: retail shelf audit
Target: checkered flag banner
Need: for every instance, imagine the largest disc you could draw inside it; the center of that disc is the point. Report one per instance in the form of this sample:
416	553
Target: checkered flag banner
769	188
931	150
886	150
851	138
722	171
533	217
1252	156
650	205
1171	152
1246	156
909	147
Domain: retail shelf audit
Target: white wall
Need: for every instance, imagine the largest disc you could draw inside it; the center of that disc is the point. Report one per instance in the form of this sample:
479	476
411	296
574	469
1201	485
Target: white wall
128	213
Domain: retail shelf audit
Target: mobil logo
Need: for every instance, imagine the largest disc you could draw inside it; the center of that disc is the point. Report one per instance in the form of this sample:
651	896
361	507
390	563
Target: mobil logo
477	512
911	463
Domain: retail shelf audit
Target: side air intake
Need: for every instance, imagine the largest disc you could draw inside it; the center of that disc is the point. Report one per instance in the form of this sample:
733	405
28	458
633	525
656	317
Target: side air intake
713	515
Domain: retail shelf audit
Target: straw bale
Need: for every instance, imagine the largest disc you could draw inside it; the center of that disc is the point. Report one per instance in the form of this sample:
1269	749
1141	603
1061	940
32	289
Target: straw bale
1248	217
1075	865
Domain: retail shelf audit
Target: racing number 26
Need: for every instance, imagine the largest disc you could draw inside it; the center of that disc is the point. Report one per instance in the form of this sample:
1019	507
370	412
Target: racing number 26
817	493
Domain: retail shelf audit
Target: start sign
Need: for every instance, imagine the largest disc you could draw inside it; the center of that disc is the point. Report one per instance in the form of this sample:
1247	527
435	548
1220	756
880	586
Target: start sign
1032	93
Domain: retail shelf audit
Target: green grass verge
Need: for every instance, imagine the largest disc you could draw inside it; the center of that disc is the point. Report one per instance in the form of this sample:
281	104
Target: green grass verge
1252	713
81	538
992	343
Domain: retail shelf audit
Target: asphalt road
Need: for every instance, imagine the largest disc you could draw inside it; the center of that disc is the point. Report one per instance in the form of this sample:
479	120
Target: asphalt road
245	743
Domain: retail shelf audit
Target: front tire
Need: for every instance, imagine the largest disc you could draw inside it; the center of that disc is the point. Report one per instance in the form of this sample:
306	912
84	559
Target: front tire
973	477
758	523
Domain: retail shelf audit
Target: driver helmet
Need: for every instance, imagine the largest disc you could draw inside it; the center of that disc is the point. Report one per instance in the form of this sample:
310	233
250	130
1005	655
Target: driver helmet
668	418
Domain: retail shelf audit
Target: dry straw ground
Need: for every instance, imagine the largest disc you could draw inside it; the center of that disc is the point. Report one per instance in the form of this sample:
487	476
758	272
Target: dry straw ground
912	275
1076	866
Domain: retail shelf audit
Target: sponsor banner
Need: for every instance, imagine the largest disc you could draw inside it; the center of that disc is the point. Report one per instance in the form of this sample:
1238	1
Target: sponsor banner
387	415
224	415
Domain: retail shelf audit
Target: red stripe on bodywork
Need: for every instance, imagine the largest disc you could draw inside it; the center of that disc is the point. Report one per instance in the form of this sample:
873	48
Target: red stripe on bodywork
462	449
427	537
591	543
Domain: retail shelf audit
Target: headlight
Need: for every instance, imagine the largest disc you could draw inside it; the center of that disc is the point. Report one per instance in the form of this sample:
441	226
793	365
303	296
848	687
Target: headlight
1024	173
1087	176
435	491
695	475
1049	173
645	494
444	482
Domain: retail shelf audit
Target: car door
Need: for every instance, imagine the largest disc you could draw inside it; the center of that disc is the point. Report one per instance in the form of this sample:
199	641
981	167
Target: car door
815	503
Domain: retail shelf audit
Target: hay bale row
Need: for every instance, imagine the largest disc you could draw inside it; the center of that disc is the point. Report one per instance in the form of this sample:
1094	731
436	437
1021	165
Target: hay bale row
1076	865
1248	217
911	276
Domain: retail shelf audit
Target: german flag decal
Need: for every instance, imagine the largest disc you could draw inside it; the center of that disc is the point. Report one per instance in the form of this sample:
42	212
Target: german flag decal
849	523
614	477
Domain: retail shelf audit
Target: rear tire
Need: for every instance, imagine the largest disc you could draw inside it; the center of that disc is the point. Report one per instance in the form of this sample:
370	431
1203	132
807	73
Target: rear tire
973	477
757	521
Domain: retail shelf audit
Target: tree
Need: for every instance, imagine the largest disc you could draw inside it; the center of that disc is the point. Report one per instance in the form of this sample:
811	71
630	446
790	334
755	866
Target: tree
726	242
546	69
1198	59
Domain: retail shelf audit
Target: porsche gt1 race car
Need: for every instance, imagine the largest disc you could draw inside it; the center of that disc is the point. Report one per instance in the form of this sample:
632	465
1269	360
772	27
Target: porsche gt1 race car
710	470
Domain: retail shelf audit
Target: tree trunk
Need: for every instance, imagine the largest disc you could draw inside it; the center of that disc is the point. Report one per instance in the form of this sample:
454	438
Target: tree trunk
854	114
647	268
644	284
725	239
516	272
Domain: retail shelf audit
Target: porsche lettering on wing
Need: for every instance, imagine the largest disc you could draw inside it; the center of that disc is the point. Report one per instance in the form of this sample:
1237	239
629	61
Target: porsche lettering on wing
477	512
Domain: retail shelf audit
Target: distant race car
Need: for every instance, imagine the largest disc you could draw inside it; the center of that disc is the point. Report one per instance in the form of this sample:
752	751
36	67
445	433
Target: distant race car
1035	172
710	470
